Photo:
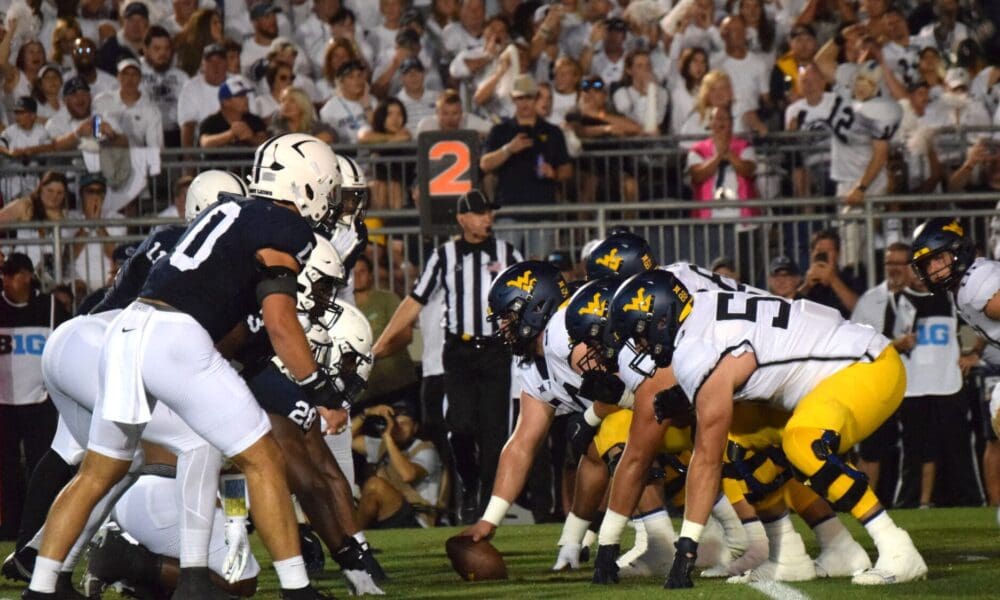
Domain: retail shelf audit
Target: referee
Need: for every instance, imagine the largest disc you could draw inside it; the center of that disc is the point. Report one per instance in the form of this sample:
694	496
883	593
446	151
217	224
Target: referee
476	365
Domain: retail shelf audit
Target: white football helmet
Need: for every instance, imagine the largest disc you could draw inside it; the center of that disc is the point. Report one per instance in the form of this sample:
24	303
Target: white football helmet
297	168
320	280
204	191
351	200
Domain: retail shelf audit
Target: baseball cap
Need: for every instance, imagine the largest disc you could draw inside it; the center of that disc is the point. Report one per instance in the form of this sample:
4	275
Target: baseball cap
722	262
407	38
524	85
123	252
560	259
803	30
262	9
17	262
92	178
74	85
474	201
616	24
784	264
25	104
870	70
280	43
50	67
136	8
410	64
128	62
349	67
234	86
213	49
956	77
411	16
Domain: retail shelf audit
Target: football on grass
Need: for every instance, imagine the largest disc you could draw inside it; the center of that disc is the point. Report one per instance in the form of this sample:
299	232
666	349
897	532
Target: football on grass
475	561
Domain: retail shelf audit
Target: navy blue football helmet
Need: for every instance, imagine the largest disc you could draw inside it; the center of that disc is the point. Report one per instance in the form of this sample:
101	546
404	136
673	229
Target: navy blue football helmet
622	255
521	301
935	237
646	312
587	323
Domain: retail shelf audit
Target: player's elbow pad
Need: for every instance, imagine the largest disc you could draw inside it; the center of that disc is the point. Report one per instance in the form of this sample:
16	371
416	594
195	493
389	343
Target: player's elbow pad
277	280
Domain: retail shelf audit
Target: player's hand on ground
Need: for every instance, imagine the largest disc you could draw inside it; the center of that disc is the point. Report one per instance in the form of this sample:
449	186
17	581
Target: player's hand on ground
483	530
238	543
569	557
680	571
606	564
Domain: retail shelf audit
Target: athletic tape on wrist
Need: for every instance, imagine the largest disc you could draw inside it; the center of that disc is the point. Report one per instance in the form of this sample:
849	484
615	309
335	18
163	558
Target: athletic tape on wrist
496	510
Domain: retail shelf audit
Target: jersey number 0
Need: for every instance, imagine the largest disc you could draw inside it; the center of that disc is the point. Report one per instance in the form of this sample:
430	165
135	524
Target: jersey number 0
196	245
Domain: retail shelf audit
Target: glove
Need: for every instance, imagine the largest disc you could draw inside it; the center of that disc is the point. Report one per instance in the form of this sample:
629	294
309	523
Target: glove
670	403
239	549
321	390
580	434
680	571
606	565
601	386
569	556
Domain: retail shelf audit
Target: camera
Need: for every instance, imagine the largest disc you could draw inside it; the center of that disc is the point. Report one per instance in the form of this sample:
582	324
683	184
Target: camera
821	257
374	426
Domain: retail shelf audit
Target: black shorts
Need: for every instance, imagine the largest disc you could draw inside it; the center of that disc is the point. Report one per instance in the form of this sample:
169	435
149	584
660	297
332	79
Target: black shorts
876	446
404	518
279	395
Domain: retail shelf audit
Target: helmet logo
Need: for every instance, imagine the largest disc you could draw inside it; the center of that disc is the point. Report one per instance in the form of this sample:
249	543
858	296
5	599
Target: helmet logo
595	307
525	282
682	294
611	260
640	302
647	262
954	227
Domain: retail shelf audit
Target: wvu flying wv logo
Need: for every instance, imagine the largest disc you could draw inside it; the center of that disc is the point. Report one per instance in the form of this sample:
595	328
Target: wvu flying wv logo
640	302
611	260
525	282
954	227
595	307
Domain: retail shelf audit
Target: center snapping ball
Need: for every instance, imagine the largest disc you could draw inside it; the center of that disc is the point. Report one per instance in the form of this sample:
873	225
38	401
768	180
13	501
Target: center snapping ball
475	561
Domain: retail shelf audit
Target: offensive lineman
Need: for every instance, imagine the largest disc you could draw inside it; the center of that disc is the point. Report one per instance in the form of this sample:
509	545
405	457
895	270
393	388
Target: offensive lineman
839	381
251	253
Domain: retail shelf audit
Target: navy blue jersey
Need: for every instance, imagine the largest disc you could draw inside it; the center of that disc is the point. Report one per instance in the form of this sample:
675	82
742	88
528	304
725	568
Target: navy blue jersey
255	353
132	275
212	272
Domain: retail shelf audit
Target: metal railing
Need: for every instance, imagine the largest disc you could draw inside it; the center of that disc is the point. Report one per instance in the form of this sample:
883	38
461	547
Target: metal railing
398	249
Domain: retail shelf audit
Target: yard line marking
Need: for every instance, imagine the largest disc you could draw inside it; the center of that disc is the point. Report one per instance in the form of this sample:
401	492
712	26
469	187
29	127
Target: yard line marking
778	591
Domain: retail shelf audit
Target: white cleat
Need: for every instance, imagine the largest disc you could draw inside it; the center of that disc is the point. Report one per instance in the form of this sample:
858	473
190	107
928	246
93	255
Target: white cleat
898	562
799	569
716	572
655	561
712	549
844	557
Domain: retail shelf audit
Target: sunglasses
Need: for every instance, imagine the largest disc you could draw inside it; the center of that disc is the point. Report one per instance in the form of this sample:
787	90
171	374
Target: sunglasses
592	85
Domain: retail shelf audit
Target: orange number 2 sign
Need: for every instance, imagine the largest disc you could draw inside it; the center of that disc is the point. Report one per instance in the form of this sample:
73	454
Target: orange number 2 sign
454	180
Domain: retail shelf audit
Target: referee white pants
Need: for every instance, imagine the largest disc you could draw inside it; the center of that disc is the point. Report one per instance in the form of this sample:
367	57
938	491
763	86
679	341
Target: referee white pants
148	513
177	364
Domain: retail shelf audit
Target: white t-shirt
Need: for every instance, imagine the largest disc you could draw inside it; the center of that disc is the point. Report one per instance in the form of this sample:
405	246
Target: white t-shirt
469	121
562	104
456	39
634	105
163	89
812	117
682	102
611	71
92	265
197	101
14	138
140	122
347	117
103	83
417	109
750	75
61	123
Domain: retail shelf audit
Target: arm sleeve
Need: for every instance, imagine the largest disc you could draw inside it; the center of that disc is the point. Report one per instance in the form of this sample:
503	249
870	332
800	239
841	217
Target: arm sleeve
429	279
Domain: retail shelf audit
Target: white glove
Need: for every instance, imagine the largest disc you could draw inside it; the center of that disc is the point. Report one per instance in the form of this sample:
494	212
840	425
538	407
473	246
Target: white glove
756	552
239	549
569	556
360	583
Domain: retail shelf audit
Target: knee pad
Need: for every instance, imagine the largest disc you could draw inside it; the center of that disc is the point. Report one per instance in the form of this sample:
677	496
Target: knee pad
834	467
760	472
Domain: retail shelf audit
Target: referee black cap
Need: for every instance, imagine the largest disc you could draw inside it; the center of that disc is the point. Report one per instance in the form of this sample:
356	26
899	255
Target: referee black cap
474	201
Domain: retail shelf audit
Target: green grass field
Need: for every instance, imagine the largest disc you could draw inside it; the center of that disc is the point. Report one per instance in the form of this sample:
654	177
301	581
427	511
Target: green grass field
961	547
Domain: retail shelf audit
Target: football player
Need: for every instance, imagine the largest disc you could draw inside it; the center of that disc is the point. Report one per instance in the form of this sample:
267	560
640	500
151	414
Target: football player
346	227
945	260
234	255
839	380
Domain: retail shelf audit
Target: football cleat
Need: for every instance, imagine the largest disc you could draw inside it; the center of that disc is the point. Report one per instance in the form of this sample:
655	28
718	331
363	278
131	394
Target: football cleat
843	557
19	564
898	562
65	589
372	565
306	593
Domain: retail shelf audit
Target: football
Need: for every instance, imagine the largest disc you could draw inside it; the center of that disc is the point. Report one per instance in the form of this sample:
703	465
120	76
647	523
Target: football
475	561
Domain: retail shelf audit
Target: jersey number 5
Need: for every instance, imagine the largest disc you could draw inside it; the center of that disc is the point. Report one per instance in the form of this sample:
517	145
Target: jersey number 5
722	312
196	245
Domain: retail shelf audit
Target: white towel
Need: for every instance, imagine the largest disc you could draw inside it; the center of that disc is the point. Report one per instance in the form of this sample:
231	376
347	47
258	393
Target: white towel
649	124
124	394
145	163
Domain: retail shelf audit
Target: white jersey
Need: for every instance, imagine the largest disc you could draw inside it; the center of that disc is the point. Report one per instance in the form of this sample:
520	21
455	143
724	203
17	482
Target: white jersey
549	377
417	109
198	100
630	103
809	117
979	284
163	88
141	122
855	124
796	344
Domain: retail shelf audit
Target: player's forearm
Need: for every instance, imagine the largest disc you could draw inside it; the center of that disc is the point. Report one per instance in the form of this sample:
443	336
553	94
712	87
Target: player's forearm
512	470
287	337
401	324
880	154
626	487
847	296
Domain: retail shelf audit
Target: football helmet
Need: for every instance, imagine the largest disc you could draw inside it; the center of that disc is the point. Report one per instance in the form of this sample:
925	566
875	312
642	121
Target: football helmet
521	301
320	280
351	197
297	168
622	254
646	312
935	237
587	320
204	191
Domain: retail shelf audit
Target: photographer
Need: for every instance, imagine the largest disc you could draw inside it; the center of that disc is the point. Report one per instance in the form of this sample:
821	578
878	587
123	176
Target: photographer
824	282
404	490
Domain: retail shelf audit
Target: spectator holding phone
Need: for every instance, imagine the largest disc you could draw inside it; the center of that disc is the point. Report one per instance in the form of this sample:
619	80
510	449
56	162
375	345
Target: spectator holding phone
824	282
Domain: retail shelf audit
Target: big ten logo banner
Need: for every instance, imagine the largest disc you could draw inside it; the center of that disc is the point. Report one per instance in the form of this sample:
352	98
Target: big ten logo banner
447	167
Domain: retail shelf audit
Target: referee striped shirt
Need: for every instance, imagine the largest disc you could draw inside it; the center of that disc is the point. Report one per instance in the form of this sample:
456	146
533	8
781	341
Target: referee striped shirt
465	271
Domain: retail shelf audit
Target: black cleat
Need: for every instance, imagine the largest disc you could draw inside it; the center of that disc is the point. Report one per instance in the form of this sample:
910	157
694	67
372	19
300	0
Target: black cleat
19	564
195	584
372	565
28	594
65	589
306	593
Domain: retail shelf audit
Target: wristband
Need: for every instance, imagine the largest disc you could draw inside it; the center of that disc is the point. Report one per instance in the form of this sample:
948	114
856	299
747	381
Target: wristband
691	530
496	510
590	416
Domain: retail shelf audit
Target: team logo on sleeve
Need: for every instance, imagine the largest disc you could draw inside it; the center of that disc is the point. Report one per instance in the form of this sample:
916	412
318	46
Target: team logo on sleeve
639	302
611	260
525	282
595	307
